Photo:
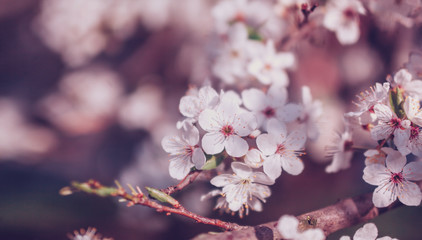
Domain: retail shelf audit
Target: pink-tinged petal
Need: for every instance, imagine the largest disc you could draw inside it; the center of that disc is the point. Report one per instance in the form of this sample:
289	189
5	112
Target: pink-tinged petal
173	145
402	77
189	106
278	128
236	146
254	99
208	96
348	34
411	107
289	112
223	180
180	167
413	171
383	112
292	164
345	238
341	160
227	110
414	88
306	96
287	226
383	196
312	234
213	143
368	231
375	174
254	158
209	120
395	162
244	124
259	177
296	140
198	158
411	195
235	205
266	144
190	133
261	191
381	131
277	95
242	170
255	204
279	77
272	166
284	60
401	140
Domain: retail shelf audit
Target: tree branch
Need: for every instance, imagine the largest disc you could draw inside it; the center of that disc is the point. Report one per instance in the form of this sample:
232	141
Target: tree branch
185	181
346	213
138	198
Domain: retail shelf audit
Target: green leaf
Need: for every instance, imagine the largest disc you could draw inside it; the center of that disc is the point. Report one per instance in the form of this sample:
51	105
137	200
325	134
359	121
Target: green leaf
397	101
253	34
213	162
161	196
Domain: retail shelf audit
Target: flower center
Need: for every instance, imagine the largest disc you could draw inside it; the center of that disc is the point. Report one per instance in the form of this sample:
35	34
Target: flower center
396	178
395	122
227	130
349	13
189	150
414	132
280	149
269	112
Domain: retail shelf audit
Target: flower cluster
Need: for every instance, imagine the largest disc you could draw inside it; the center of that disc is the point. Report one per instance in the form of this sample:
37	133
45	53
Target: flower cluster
229	125
368	232
392	115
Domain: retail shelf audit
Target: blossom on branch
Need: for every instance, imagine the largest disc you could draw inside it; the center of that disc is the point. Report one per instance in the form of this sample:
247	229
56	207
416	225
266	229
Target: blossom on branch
288	227
368	232
394	180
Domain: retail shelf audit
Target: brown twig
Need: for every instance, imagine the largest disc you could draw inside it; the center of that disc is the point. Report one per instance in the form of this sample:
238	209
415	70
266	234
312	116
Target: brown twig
343	214
138	198
182	184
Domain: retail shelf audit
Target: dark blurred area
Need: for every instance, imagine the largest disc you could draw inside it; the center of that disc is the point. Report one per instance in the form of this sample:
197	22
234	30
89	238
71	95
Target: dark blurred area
88	90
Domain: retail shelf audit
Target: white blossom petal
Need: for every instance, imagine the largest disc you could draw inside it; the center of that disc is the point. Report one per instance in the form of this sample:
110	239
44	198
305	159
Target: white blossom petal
287	226
262	178
254	158
198	158
292	164
296	140
254	99
223	180
395	162
272	166
213	143
411	195
383	197
368	231
242	170
413	171
209	120
266	144
375	174
276	127
289	112
244	124
180	167
236	146
383	112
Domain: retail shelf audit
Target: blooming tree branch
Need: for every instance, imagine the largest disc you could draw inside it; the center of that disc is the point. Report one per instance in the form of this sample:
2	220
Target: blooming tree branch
345	213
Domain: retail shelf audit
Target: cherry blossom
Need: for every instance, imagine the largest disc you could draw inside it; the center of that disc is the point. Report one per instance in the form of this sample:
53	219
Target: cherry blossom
225	126
404	80
388	123
311	113
192	105
394	180
373	156
367	100
368	232
342	17
244	188
341	151
390	12
288	227
281	150
254	158
186	152
269	67
271	105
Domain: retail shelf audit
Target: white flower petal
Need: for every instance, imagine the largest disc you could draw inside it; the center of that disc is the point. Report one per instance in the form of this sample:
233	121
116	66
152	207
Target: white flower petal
383	112
272	166
189	106
312	234
368	231
223	180
254	158
276	127
345	238
296	140
179	167
190	133
287	226
198	158
173	145
208	120
395	162
383	197
242	170
262	178
266	144
292	164
289	112
244	124
411	195
208	97
349	33
381	131
254	99
413	171
375	174
213	143
277	95
236	146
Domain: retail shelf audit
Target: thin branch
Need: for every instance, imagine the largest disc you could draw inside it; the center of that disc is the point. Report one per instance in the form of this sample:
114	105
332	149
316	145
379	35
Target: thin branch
343	214
182	184
138	198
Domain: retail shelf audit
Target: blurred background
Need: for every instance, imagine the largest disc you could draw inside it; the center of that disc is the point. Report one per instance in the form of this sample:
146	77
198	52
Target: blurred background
89	88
